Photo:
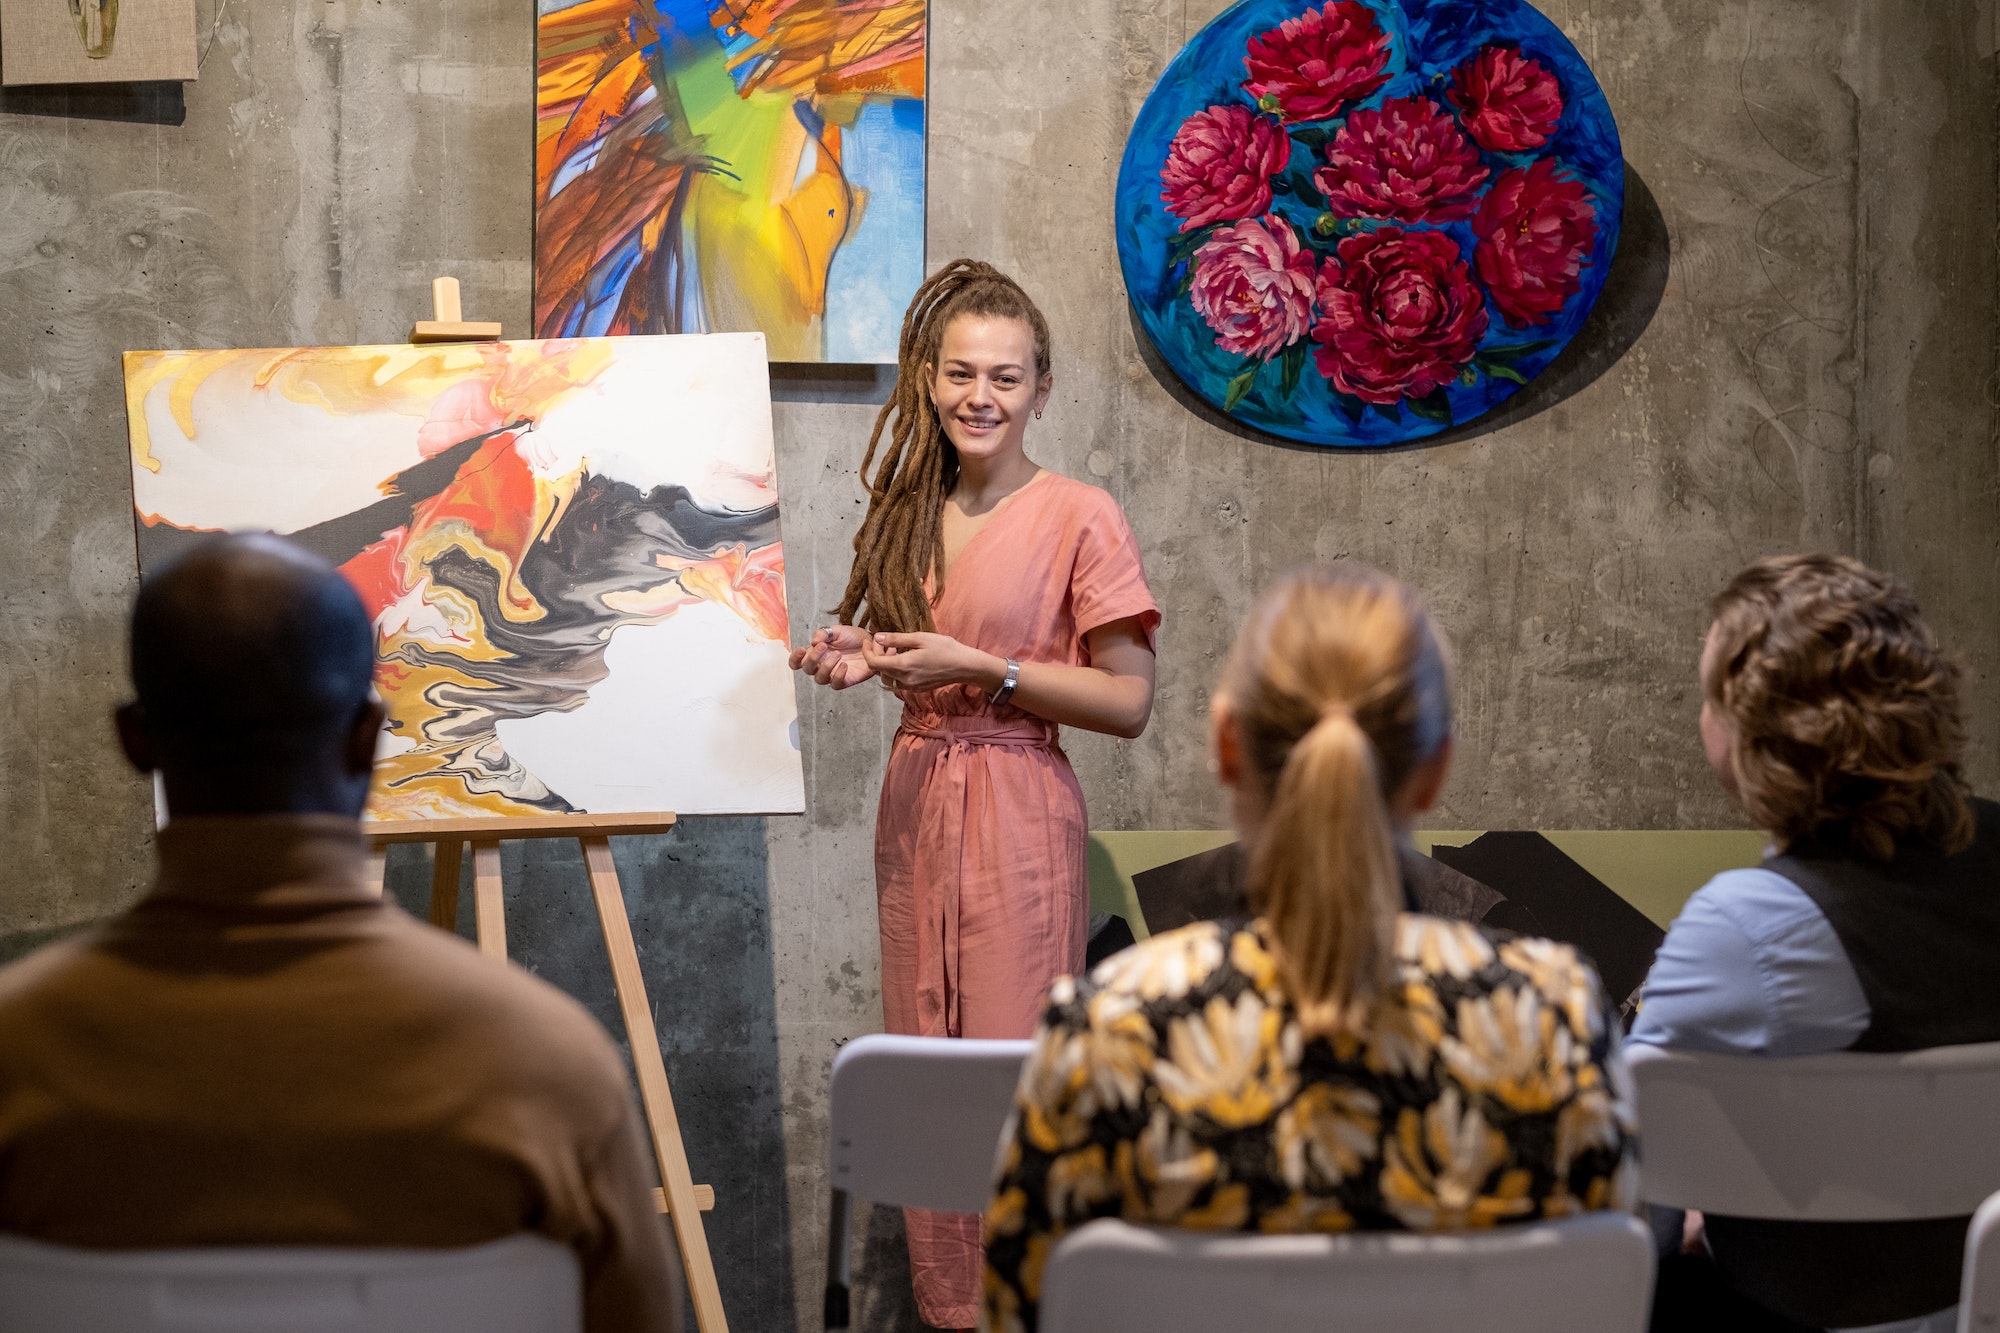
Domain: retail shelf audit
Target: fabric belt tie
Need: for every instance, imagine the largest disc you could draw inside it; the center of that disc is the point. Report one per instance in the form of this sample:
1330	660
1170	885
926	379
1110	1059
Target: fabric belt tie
938	970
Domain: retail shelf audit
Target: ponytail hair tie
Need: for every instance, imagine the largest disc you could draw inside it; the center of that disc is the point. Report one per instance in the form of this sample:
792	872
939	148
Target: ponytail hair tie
1336	708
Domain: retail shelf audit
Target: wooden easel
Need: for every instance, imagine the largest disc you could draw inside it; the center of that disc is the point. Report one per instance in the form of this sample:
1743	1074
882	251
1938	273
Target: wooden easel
447	322
680	1199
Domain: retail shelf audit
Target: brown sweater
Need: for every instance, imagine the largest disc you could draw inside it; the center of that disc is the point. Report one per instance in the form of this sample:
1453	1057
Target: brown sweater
263	1052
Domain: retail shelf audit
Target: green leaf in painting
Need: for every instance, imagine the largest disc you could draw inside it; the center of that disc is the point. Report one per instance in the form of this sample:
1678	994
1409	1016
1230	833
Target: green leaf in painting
1433	406
1311	139
1388	412
1291	367
1499	370
1238	388
1350	406
1507	355
1183	244
1301	184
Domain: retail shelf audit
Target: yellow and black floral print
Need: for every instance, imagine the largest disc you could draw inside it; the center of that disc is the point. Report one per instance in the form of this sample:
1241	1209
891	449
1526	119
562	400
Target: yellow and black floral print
1174	1087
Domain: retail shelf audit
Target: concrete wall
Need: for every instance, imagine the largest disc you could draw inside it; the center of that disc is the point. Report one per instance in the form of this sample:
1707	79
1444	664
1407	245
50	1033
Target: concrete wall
1798	349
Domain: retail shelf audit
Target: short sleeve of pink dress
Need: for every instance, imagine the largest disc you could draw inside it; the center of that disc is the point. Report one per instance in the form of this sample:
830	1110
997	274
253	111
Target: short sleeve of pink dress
1107	583
981	871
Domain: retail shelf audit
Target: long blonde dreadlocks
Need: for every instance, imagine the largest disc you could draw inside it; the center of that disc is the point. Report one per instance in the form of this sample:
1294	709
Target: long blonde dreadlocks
901	538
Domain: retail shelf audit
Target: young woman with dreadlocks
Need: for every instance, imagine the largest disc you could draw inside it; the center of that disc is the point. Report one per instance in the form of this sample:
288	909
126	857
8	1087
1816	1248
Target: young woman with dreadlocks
998	600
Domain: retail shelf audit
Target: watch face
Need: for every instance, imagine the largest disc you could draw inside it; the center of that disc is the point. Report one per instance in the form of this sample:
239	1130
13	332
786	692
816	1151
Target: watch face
1362	222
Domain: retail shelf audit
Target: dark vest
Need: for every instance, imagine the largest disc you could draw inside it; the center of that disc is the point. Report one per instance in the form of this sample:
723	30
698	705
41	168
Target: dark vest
1923	936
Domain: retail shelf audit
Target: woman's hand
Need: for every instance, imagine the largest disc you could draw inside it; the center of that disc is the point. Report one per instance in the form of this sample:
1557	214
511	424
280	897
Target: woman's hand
1114	694
918	662
834	656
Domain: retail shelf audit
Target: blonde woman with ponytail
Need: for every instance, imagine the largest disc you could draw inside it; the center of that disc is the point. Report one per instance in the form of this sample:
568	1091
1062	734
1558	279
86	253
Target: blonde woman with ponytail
1330	1062
998	601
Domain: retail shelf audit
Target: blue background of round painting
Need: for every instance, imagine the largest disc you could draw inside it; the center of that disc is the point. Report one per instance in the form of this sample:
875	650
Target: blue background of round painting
1439	35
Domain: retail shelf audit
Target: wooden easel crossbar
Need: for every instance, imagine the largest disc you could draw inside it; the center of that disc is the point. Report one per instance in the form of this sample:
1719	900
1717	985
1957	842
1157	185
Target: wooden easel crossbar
679	1197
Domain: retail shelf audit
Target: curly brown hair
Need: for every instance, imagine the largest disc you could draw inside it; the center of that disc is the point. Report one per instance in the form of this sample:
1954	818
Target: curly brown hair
1845	709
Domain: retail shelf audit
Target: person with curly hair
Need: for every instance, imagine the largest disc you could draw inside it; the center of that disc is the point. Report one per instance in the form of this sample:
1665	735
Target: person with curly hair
1831	715
1329	1060
1000	601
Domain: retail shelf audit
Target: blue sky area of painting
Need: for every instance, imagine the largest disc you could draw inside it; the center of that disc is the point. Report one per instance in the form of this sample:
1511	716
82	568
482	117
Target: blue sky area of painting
881	264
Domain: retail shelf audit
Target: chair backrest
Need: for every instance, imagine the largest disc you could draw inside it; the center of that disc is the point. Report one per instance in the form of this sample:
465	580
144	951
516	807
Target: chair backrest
524	1284
1979	1284
1849	1137
1589	1274
916	1121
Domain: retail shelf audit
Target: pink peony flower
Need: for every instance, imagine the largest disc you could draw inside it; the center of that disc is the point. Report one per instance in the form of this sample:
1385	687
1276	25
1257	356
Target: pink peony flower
1400	315
1253	283
1535	227
1220	164
1510	102
1308	67
1409	162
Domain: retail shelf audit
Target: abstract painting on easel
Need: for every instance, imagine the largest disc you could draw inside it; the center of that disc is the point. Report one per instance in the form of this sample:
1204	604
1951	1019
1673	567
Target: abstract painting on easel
96	41
708	166
570	551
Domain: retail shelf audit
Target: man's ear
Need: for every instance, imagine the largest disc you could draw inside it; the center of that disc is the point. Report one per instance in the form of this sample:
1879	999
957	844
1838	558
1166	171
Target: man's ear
359	754
1425	783
1225	742
133	738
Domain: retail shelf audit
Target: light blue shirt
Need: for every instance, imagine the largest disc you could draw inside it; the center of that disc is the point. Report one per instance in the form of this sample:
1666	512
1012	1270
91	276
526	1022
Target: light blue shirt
1751	966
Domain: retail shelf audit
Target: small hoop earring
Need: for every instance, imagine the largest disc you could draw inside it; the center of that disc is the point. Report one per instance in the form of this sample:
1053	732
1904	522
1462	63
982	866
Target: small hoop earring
1038	414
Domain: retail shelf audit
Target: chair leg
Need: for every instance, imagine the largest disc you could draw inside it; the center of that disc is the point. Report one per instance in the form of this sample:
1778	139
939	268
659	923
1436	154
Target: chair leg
838	1222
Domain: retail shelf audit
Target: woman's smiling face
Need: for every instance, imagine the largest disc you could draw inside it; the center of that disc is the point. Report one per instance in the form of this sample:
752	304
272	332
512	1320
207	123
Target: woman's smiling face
984	385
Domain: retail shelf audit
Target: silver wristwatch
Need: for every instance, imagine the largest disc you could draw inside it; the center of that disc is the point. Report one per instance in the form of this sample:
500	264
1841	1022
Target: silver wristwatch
1006	690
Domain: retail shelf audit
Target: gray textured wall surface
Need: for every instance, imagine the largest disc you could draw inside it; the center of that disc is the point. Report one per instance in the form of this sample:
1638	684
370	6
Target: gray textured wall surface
1798	349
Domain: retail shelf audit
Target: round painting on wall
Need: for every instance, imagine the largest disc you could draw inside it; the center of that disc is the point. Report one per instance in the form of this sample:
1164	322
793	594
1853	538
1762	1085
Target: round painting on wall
1360	222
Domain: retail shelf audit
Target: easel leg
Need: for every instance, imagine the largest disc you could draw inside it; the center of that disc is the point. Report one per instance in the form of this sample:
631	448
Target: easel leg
377	868
488	911
445	860
682	1209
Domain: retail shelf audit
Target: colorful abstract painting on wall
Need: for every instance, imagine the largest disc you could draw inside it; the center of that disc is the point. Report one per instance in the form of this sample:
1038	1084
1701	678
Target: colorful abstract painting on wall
708	166
570	550
1361	222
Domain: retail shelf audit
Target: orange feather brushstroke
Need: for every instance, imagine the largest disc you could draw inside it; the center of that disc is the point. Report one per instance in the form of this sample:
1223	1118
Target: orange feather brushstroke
809	46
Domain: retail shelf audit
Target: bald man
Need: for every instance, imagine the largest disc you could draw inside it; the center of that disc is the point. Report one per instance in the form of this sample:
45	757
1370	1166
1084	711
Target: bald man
263	1051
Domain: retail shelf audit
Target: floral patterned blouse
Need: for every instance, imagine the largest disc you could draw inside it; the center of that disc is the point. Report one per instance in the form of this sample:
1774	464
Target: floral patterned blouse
1175	1088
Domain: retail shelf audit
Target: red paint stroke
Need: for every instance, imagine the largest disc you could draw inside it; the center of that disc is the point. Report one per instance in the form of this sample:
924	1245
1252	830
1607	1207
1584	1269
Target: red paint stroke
494	495
377	573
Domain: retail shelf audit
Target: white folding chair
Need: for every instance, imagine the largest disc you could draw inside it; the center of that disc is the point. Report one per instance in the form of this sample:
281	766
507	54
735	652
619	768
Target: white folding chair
523	1284
1588	1274
1979	1287
915	1121
1847	1137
